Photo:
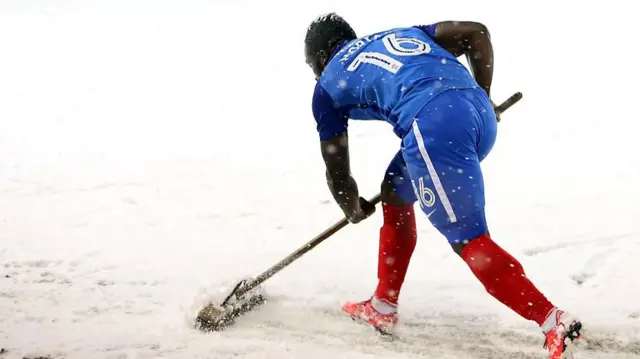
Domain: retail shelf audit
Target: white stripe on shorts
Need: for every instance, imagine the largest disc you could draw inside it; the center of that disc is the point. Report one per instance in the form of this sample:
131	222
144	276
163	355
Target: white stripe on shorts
434	175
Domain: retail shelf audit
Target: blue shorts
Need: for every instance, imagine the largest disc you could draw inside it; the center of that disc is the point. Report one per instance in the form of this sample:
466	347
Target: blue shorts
439	163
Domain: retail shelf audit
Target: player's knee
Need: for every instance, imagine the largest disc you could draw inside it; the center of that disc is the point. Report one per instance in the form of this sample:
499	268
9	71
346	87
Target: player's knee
464	230
389	194
458	246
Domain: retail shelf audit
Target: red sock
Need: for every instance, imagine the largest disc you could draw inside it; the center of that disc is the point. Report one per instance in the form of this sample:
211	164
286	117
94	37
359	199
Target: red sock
504	278
397	241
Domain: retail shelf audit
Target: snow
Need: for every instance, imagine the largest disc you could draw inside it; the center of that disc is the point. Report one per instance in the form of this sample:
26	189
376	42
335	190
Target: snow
153	153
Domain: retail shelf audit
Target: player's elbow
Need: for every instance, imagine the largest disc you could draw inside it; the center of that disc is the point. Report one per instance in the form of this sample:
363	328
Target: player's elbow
469	29
481	28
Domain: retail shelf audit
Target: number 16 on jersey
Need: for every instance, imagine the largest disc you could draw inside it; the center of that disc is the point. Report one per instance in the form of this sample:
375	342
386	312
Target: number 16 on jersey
394	46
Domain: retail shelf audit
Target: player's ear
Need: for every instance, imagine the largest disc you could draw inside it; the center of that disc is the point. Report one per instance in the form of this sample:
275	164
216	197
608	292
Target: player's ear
322	58
320	63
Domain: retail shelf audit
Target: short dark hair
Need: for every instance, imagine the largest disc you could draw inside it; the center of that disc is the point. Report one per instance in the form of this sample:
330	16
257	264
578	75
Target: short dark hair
324	34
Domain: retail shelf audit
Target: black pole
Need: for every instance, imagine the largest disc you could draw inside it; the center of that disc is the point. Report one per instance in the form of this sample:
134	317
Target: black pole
299	252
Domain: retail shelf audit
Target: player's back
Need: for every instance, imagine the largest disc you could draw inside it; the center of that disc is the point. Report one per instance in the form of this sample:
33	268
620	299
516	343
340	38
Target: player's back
391	75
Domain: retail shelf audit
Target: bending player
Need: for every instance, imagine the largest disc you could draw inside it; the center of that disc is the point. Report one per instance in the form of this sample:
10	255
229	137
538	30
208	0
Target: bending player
411	78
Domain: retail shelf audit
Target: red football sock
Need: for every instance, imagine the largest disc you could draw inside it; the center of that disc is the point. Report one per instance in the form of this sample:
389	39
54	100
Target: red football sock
397	241
504	278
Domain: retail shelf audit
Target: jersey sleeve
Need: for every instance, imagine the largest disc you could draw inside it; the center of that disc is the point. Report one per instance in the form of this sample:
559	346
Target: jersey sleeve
330	121
428	29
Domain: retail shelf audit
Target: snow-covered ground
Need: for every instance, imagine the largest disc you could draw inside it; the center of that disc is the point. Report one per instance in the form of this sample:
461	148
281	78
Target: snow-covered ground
153	153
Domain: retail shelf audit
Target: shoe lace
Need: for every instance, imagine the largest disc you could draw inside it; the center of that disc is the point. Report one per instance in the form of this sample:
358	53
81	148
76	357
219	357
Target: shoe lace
572	333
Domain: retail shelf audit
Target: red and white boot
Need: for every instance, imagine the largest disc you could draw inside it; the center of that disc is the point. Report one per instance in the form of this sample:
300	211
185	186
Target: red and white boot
562	331
365	312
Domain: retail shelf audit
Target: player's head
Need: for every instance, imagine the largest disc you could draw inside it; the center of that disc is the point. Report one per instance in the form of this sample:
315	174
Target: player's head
323	35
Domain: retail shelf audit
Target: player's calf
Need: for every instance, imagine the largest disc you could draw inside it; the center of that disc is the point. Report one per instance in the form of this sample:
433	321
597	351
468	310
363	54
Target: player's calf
398	237
504	278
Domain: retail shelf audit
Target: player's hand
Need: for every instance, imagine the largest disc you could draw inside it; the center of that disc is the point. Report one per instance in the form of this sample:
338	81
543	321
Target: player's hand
365	210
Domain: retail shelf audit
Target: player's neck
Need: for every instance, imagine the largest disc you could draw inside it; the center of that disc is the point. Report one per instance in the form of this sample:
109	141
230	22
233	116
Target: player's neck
337	49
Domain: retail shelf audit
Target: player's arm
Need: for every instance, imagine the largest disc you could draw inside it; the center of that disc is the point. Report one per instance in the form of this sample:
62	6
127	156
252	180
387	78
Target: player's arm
342	185
471	39
334	146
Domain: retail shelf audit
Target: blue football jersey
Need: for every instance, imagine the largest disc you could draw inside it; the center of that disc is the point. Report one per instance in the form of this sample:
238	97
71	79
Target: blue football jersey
388	76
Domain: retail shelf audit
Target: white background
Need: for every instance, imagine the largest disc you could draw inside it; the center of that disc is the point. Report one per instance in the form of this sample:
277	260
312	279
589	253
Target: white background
152	153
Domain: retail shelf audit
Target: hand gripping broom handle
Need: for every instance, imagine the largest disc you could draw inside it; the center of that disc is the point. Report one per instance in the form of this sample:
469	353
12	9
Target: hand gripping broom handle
333	229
